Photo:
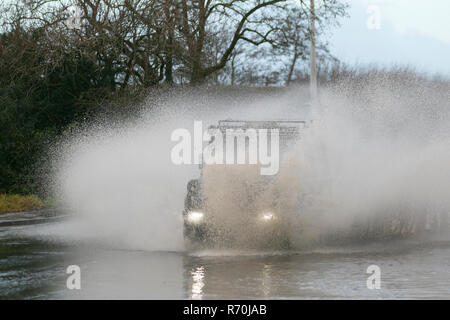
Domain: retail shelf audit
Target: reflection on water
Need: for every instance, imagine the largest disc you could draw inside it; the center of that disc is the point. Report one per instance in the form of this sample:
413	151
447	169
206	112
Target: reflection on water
198	283
266	279
35	267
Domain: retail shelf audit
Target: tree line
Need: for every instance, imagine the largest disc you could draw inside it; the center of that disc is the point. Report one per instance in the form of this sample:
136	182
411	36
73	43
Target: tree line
60	60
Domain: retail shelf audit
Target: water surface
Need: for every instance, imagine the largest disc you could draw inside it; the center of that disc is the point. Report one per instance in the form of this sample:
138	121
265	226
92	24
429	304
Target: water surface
33	265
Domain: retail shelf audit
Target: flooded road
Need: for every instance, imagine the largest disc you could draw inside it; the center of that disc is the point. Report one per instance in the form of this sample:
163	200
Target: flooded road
33	265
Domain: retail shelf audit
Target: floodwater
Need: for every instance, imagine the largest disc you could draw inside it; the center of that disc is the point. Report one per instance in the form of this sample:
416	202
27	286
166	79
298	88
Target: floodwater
33	265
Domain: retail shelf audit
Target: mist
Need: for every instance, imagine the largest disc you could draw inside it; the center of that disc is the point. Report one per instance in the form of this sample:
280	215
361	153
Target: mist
381	146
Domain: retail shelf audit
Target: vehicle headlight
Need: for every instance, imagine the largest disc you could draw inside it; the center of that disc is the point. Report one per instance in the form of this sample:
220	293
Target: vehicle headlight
269	216
195	216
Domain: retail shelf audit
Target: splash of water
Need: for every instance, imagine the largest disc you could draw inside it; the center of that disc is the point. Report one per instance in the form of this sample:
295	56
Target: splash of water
387	138
385	146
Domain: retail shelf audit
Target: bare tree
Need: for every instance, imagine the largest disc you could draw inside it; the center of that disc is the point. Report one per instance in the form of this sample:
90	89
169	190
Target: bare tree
282	57
139	43
201	16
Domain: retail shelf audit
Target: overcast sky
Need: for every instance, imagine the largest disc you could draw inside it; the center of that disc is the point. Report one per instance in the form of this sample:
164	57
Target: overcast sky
411	32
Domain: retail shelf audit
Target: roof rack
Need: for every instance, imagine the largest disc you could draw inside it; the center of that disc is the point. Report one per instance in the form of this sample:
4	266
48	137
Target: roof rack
262	124
286	128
